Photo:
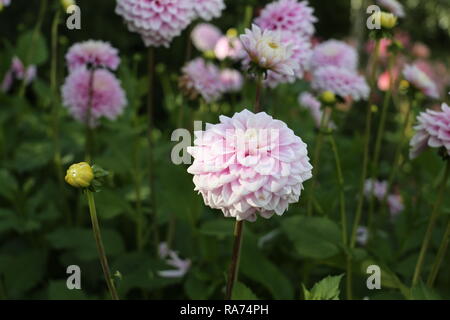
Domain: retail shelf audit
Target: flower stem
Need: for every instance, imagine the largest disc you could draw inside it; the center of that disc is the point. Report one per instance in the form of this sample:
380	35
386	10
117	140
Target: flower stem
259	84
431	223
100	248
235	258
89	132
439	257
317	149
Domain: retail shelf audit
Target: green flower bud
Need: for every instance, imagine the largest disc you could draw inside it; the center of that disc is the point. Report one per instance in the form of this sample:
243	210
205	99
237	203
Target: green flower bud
328	97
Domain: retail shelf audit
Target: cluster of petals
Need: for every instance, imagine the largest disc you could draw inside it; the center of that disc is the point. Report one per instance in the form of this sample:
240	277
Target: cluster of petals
288	15
201	78
334	53
266	49
17	71
157	22
249	164
376	188
432	130
340	81
311	103
421	81
301	55
91	94
393	6
395	204
4	3
205	36
172	258
94	53
208	9
232	80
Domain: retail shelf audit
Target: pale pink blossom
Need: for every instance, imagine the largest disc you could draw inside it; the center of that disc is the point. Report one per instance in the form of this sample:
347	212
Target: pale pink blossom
172	259
301	54
249	164
432	130
158	22
334	53
107	100
229	48
205	36
232	80
92	52
376	188
267	51
395	204
201	78
393	6
17	71
340	81
4	3
288	15
421	81
421	50
208	9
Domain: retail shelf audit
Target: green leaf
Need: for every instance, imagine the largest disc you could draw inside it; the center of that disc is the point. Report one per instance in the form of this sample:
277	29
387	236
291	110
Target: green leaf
313	237
57	290
242	292
31	48
8	184
220	228
422	292
325	289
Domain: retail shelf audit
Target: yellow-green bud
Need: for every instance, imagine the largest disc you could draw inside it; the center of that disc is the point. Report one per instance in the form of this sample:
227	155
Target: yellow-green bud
232	33
209	54
404	85
387	20
67	3
1	6
80	175
328	97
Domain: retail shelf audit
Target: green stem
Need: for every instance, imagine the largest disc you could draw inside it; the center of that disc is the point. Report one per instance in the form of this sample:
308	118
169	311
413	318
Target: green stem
431	223
235	258
89	143
259	85
439	257
100	247
316	155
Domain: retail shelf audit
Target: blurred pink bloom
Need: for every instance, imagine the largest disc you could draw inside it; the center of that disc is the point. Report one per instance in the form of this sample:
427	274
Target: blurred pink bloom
362	235
436	71
208	9
311	103
108	98
249	164
205	36
342	82
384	79
158	22
432	130
267	50
94	52
384	45
301	54
420	81
232	80
201	78
420	50
393	6
288	15
17	71
229	47
334	53
375	187
5	3
172	259
395	204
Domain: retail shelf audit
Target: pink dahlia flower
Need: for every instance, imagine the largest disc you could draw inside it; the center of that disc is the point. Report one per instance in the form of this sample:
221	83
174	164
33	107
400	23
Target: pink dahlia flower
432	130
108	98
249	164
267	50
229	47
301	54
205	36
181	266
288	15
334	53
393	6
395	204
375	187
93	52
311	103
19	72
208	9
232	80
158	22
340	81
201	78
420	81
